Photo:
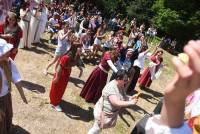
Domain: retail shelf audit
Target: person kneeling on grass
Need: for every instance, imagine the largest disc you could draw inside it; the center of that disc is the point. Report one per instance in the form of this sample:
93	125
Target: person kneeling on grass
8	74
112	100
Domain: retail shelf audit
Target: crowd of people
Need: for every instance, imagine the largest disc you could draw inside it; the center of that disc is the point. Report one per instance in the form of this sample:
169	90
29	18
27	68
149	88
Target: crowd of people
80	32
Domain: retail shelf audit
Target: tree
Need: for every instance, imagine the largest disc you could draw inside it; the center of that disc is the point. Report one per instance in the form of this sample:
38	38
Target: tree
178	18
140	9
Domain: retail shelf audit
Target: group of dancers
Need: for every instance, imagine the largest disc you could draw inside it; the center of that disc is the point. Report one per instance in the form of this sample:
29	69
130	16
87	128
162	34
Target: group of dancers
79	35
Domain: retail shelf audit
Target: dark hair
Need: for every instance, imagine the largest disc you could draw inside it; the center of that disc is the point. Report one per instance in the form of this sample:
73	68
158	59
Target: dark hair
120	74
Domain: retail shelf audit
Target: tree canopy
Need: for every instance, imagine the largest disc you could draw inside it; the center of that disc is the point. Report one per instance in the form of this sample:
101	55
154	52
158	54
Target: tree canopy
179	19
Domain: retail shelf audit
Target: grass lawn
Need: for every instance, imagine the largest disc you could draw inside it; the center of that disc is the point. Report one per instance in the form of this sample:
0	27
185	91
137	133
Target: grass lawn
37	117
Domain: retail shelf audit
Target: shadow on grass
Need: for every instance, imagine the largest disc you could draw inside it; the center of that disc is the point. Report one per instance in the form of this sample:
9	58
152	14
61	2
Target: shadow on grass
76	81
138	109
149	98
18	130
33	87
125	112
76	112
36	50
153	92
46	47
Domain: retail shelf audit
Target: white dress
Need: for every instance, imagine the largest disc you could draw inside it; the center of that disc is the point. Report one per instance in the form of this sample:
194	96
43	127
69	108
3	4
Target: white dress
33	26
25	26
41	25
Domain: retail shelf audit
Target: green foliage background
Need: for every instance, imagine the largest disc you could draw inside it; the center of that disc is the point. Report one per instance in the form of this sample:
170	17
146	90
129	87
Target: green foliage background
180	19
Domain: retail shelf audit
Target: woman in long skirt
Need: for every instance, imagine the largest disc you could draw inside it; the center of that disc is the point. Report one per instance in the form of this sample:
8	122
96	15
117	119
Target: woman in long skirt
146	78
61	77
92	89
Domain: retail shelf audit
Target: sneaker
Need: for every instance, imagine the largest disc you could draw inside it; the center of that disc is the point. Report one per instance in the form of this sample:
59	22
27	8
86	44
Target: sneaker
57	108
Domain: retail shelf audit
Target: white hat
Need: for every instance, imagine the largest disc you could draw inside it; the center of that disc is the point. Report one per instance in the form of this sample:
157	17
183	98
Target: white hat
4	47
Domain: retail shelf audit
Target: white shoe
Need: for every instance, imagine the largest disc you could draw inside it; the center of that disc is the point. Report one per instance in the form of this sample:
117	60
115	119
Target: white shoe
57	108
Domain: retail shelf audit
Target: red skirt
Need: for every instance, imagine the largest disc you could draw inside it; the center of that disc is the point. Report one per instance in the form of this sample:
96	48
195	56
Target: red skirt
145	79
58	89
94	85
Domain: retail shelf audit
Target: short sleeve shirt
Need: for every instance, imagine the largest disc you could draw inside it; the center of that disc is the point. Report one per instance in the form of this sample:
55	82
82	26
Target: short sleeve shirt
111	89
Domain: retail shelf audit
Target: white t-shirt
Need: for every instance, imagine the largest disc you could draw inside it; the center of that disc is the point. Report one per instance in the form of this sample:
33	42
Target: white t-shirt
154	126
140	60
15	78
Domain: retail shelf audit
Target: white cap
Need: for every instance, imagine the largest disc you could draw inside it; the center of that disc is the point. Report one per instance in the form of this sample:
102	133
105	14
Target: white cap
4	47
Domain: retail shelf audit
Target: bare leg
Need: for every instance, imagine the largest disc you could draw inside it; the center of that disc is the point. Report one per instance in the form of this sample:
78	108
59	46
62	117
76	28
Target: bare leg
51	63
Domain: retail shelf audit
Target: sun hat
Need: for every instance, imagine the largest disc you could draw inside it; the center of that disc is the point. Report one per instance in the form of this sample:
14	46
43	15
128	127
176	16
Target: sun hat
4	47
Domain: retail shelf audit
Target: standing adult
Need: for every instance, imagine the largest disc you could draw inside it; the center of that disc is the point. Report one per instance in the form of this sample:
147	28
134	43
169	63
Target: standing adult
92	89
11	32
34	22
25	15
43	11
100	34
85	41
112	100
72	20
61	77
149	73
8	74
63	46
53	26
137	66
84	25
